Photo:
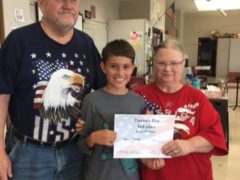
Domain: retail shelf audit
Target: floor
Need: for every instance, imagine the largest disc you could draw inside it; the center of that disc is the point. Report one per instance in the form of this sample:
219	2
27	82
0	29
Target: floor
228	167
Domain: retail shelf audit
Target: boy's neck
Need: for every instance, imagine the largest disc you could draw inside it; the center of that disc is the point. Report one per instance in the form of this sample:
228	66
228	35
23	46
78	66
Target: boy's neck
120	91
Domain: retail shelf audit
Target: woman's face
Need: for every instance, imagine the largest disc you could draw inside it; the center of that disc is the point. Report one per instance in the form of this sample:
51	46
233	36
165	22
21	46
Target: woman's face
168	66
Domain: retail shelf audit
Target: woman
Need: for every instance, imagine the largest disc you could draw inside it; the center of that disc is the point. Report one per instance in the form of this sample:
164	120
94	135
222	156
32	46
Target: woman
198	132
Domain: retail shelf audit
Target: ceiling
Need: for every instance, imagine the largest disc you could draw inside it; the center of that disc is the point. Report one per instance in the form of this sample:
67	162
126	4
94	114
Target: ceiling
188	6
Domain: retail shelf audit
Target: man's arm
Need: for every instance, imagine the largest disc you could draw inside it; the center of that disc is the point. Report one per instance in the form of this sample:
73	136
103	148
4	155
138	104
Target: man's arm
5	165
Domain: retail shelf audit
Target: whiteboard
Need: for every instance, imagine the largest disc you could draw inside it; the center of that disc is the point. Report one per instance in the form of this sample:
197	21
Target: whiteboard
98	32
234	59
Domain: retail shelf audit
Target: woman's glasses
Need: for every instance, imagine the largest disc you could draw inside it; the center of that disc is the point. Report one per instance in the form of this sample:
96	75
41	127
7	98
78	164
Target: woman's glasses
173	64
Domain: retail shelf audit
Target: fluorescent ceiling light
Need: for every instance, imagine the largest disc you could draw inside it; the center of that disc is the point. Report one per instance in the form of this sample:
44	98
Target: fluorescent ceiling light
212	5
222	12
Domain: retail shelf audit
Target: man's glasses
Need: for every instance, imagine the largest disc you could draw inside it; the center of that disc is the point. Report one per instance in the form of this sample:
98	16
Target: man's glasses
173	64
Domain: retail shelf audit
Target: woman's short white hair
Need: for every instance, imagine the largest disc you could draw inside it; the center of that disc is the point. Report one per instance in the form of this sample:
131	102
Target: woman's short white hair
171	43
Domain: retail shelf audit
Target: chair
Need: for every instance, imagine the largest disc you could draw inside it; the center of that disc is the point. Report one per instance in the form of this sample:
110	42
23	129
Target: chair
233	82
136	81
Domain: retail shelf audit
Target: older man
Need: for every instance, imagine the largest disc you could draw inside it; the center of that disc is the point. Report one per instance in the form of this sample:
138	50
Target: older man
46	68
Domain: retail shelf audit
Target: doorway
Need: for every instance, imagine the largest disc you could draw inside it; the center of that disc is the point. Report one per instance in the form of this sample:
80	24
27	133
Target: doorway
1	23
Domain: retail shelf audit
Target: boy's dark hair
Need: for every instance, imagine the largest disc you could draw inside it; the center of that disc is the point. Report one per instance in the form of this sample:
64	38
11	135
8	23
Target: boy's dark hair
118	47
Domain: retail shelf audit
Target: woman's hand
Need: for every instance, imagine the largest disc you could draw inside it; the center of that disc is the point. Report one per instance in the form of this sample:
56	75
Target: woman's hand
181	147
153	164
177	148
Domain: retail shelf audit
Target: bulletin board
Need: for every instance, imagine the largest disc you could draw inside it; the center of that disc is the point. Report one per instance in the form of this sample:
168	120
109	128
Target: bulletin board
98	32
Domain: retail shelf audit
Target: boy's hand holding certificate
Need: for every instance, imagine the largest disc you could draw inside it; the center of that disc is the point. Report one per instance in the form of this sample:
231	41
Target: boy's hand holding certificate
142	136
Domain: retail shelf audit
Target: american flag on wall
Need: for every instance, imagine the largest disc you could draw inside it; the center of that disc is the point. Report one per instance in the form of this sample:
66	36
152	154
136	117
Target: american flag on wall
170	13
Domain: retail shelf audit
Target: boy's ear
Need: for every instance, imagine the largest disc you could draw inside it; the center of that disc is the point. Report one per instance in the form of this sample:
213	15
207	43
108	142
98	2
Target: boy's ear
102	65
133	67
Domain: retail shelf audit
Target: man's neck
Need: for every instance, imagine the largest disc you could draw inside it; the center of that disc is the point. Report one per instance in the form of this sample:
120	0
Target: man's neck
60	36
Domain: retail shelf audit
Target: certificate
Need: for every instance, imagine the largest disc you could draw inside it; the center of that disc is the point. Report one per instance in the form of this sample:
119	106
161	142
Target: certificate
142	136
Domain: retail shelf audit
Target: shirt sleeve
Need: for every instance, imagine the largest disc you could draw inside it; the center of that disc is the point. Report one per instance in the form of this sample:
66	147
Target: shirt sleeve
86	116
98	77
211	127
10	59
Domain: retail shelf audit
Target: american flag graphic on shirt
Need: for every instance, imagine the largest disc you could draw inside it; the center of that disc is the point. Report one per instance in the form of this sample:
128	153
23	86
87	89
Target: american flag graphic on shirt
151	107
44	70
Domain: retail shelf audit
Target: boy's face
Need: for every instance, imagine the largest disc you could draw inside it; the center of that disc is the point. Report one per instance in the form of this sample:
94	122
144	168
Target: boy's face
118	70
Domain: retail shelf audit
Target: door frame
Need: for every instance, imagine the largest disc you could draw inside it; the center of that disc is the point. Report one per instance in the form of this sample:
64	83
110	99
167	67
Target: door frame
1	23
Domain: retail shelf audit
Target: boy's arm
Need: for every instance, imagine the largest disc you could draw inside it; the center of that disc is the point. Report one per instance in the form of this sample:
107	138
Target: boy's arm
90	135
79	126
103	137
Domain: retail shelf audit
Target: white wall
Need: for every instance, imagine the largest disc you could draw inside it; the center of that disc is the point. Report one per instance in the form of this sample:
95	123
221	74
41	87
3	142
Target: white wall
105	9
134	9
8	13
197	25
157	9
97	27
152	10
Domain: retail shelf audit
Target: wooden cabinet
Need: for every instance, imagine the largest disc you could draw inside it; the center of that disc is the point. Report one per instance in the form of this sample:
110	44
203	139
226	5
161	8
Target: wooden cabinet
207	48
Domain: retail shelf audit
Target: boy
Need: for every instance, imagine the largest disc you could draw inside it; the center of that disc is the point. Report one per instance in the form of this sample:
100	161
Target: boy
98	111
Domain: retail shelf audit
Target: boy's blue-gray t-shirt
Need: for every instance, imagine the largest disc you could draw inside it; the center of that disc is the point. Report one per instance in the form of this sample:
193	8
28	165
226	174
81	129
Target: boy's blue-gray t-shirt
98	111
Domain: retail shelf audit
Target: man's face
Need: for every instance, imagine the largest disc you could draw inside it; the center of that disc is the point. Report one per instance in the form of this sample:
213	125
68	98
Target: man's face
62	14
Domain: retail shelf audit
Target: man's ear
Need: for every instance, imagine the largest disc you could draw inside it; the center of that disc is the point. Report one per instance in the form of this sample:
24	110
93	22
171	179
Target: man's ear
102	65
41	4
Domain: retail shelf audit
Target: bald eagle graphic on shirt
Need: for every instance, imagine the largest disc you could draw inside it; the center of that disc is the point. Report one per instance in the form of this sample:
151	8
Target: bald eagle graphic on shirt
62	96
